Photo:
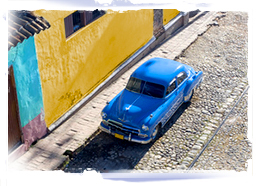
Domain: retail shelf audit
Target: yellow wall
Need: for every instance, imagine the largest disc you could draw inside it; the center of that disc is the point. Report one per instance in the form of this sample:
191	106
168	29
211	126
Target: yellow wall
70	69
169	14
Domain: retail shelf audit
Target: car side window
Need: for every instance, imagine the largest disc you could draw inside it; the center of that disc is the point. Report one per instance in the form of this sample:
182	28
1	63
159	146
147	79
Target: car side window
171	87
181	76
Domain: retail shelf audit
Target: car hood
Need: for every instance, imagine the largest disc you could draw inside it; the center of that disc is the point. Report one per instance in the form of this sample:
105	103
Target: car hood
130	108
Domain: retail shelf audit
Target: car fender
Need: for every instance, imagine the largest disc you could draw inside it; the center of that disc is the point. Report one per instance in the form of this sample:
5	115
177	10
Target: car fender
157	117
109	105
193	82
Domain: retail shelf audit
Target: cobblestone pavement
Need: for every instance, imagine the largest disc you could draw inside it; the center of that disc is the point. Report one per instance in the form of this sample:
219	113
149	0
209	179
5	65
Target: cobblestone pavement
230	148
221	53
74	134
224	48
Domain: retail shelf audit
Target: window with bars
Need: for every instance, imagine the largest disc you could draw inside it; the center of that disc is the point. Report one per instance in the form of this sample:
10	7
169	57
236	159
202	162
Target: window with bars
79	19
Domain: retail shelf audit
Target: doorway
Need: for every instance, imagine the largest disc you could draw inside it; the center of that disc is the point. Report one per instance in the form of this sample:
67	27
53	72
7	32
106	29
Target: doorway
14	129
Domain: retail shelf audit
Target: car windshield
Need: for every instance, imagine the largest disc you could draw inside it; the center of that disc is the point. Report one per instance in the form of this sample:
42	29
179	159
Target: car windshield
147	88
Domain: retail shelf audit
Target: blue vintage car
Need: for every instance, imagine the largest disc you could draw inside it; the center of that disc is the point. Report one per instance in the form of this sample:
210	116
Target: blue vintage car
153	93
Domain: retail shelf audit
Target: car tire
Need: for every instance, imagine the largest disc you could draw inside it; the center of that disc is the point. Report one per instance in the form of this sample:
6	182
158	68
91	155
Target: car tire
156	132
192	93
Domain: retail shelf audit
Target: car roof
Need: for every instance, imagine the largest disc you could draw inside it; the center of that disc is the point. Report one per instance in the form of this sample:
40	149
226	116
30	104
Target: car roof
159	70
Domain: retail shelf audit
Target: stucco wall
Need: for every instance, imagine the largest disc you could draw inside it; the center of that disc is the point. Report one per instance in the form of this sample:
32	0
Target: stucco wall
71	68
169	14
27	79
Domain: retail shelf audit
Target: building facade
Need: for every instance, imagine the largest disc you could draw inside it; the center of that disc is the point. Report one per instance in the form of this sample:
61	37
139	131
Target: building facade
52	70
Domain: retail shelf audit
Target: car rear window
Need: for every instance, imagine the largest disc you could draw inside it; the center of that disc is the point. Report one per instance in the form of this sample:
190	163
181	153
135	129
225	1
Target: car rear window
181	77
147	88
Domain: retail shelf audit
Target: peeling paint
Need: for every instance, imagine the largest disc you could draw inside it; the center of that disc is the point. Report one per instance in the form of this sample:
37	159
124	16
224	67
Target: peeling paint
72	97
29	93
27	79
87	57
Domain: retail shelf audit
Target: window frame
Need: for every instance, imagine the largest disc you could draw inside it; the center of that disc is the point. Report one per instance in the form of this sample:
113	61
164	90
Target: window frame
79	18
157	87
179	75
86	17
173	81
142	87
135	81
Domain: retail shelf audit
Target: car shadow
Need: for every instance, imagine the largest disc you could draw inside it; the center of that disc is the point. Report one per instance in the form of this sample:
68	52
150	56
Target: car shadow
174	118
105	153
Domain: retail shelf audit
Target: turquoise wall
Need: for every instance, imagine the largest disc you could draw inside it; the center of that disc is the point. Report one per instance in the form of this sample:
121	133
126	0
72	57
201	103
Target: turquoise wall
28	85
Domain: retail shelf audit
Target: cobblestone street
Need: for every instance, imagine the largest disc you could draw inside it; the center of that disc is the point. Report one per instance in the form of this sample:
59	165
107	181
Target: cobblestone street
213	42
221	53
230	148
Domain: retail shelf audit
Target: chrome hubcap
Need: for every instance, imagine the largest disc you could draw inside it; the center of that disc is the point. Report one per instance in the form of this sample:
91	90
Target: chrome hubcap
155	131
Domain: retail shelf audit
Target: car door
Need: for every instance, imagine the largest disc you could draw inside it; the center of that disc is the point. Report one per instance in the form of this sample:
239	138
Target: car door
171	99
181	85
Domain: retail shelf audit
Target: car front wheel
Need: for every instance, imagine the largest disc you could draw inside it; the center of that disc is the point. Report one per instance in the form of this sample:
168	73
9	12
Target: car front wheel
155	132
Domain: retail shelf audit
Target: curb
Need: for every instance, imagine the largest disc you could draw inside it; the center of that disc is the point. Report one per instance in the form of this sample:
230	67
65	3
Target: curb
174	25
115	75
178	24
171	29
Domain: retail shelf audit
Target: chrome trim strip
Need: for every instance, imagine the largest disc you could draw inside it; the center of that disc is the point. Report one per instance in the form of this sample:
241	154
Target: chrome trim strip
126	137
122	127
98	88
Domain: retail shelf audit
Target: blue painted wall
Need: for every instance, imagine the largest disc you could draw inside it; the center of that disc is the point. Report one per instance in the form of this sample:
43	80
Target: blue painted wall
28	85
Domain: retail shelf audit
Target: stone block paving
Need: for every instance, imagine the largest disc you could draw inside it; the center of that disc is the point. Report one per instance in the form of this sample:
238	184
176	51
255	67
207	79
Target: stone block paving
221	53
47	153
230	149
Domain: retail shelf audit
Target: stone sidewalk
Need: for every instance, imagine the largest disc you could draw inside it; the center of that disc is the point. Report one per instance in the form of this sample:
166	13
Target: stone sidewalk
47	153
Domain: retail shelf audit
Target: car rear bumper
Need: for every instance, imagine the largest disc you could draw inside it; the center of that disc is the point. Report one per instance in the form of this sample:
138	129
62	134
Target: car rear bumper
129	137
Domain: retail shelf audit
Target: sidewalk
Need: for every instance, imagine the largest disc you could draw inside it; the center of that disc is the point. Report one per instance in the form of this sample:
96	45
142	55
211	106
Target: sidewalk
47	153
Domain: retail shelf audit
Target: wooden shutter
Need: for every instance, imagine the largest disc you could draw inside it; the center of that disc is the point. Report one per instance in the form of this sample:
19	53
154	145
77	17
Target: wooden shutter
68	23
83	18
89	16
